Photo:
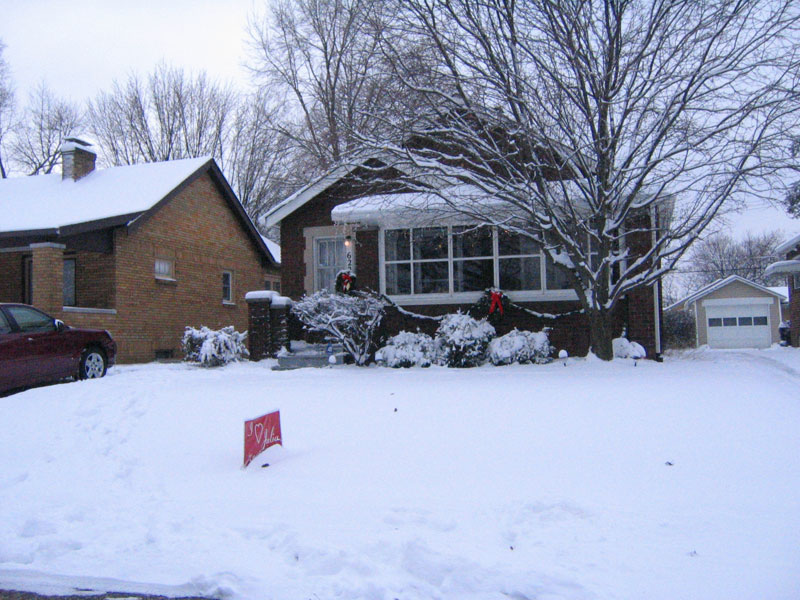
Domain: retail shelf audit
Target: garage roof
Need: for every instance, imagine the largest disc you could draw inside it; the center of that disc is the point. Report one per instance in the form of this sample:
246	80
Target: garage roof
720	283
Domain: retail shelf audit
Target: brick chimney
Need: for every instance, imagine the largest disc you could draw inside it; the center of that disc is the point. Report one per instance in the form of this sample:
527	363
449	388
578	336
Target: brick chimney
77	158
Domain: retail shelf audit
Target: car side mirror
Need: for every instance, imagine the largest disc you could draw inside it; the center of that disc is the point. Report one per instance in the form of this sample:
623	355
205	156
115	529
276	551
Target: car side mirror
60	326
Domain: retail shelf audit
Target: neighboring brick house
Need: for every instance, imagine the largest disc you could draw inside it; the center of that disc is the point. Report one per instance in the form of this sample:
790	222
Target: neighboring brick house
141	250
343	221
790	267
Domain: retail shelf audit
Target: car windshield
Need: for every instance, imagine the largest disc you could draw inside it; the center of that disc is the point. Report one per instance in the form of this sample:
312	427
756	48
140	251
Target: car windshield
30	319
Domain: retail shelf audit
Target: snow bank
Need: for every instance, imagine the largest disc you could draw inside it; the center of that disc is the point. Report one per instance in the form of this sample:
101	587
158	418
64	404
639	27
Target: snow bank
475	484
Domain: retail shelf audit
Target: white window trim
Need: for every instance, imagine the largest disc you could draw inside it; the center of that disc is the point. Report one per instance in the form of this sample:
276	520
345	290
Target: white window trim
541	295
315	255
230	301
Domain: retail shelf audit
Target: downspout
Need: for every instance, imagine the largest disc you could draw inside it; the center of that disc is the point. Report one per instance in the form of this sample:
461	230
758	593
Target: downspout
656	288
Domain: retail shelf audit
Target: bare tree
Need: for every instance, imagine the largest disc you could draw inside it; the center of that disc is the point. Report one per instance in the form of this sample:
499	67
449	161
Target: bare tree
593	124
170	116
324	57
258	159
43	125
6	107
720	256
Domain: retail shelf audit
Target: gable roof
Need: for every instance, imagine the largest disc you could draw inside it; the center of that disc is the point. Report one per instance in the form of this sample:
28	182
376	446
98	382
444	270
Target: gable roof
48	205
721	283
308	192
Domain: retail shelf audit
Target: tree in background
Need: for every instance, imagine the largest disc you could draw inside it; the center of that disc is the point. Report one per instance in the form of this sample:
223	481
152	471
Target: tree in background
43	125
6	107
169	116
324	59
589	123
719	256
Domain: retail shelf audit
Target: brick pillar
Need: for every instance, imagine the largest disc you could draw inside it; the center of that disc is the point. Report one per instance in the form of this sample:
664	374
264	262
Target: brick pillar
279	317
259	331
48	276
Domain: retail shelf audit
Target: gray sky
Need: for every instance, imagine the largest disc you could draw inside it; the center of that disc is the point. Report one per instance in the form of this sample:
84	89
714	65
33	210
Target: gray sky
78	47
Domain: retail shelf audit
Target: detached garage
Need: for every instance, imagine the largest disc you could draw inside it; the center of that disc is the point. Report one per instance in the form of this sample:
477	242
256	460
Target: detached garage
735	313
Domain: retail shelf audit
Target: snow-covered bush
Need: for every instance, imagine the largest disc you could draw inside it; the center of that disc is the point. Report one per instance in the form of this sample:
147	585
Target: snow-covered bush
351	319
213	348
520	347
461	341
625	349
407	349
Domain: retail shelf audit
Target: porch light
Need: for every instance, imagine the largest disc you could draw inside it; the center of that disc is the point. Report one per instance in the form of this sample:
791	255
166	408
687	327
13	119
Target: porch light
348	241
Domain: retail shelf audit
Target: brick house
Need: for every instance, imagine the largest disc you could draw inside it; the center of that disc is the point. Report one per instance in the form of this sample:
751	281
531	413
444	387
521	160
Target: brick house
790	267
347	220
141	250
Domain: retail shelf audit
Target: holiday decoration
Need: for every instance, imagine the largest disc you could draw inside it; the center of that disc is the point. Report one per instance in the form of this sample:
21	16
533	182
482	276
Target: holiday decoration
345	281
492	306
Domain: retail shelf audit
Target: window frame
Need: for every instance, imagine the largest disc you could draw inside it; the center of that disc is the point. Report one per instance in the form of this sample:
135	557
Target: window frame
65	301
315	257
170	276
453	297
230	297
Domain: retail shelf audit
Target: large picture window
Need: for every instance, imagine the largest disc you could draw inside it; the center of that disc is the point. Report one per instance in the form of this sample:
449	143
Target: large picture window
462	259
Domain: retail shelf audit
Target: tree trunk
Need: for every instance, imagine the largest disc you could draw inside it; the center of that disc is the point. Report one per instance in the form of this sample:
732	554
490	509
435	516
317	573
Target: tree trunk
601	327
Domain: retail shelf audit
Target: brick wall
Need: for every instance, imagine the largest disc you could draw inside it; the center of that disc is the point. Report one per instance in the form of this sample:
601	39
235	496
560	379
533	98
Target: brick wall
94	279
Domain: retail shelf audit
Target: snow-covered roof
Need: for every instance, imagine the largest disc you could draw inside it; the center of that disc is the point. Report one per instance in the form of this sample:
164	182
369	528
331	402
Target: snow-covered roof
720	283
273	248
415	208
286	207
50	202
780	289
788	245
782	266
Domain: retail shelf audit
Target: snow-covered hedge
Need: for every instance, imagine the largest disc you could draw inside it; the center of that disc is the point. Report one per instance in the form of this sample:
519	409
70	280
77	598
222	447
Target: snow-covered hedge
351	319
461	341
625	349
212	348
407	349
520	347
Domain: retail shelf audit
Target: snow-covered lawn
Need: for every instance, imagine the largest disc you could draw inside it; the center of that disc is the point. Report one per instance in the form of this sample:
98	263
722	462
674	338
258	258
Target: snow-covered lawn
665	481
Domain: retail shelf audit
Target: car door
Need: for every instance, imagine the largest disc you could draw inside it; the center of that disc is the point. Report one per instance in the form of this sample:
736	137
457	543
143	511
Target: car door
11	352
44	355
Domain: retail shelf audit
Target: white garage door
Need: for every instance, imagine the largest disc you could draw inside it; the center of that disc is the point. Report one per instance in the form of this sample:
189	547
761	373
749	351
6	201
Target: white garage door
739	326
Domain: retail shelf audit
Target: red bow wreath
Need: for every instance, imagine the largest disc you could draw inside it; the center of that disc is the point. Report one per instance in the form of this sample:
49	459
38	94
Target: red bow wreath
496	302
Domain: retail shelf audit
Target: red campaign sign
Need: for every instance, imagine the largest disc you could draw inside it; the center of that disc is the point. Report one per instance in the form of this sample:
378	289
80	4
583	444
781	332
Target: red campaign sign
261	433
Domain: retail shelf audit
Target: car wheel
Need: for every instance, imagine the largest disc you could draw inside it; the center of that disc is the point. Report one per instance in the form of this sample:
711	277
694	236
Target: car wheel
93	364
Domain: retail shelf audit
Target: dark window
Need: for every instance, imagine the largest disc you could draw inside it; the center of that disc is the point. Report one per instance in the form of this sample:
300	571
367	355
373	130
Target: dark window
729	322
227	286
431	278
745	321
557	276
430	243
715	322
267	284
796	281
398	278
759	320
164	354
30	319
69	282
523	270
276	286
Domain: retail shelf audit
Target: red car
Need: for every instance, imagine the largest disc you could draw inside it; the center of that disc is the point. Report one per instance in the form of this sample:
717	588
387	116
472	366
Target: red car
35	348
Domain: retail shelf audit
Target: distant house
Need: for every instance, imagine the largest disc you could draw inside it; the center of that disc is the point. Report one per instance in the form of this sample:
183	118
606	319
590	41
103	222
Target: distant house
790	267
141	250
355	218
734	312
